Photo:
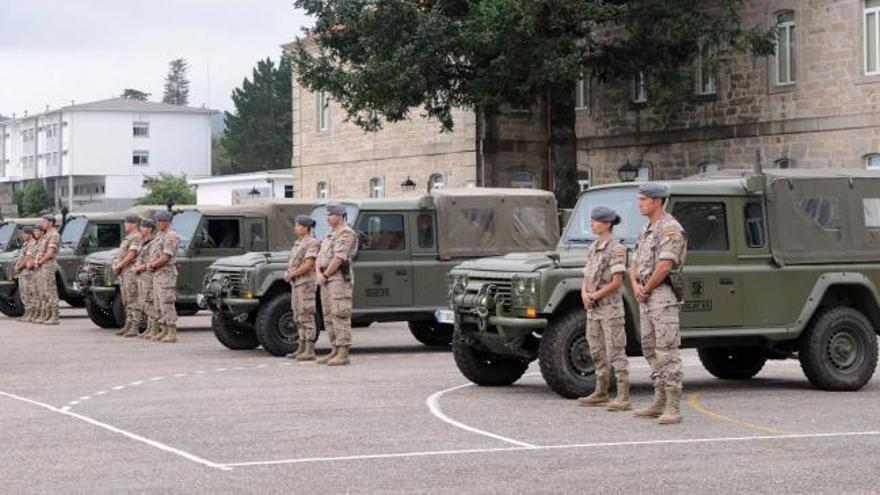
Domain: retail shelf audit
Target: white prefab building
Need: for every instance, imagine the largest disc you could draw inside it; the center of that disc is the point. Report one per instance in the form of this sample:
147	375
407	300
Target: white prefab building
242	188
98	154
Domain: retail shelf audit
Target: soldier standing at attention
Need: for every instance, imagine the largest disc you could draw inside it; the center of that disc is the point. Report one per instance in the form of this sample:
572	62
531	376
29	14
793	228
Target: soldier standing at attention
31	256
144	304
600	292
335	280
123	267
24	275
163	265
302	278
46	267
661	250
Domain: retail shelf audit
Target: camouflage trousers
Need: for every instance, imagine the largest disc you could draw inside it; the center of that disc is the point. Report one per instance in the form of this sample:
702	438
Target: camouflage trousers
144	302
606	335
661	339
128	288
47	286
336	302
26	288
303	302
165	295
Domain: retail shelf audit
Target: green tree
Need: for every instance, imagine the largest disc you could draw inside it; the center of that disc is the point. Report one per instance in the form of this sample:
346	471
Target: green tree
258	134
32	200
177	83
134	94
167	187
221	163
394	56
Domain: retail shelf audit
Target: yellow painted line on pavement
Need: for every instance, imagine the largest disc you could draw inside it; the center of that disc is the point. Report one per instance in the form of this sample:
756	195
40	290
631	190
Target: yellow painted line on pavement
694	403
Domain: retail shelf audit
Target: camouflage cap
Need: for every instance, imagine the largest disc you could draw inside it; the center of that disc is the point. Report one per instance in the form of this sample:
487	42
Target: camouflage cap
304	220
148	223
605	214
653	190
27	229
336	209
39	226
49	217
132	219
162	216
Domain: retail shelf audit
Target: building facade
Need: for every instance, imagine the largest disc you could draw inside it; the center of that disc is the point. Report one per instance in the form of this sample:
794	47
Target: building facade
242	188
97	155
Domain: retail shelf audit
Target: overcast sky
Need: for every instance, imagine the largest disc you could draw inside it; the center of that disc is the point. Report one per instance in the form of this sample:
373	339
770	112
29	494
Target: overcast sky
54	51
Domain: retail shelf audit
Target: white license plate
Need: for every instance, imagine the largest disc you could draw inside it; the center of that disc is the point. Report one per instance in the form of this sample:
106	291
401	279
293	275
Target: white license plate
444	316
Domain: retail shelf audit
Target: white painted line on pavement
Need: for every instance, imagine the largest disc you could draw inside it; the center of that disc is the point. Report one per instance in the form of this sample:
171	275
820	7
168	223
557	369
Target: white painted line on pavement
119	431
641	443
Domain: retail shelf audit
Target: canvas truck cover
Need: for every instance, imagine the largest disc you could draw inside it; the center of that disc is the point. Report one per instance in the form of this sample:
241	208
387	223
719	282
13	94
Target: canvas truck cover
823	216
477	222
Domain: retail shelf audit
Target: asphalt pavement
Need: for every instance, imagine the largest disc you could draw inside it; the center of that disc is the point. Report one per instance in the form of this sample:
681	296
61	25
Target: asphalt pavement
83	411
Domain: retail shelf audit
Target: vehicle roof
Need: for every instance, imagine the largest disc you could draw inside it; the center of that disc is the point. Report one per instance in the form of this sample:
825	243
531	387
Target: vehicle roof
426	201
254	209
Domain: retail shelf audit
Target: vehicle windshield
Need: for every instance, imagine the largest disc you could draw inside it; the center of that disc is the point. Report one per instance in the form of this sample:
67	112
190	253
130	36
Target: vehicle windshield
6	231
73	232
621	200
319	213
185	224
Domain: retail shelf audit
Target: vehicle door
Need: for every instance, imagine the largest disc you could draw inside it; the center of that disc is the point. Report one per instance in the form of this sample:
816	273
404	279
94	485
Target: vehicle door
429	272
383	270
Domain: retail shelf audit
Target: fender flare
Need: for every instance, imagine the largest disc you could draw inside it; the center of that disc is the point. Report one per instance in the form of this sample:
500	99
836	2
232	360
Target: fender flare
825	282
565	287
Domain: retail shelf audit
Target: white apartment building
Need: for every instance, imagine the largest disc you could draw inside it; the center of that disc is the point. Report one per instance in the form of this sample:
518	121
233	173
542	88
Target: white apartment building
243	188
97	154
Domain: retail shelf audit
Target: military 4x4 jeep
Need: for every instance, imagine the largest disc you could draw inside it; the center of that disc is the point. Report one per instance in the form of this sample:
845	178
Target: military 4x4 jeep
206	234
406	248
783	264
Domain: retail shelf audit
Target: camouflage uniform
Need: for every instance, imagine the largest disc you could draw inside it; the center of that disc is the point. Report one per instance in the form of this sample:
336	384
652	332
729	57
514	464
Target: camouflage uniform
659	315
165	278
605	321
336	294
144	302
48	285
303	301
128	281
26	277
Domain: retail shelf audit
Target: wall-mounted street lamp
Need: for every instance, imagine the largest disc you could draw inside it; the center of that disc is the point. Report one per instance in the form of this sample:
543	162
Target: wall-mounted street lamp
408	185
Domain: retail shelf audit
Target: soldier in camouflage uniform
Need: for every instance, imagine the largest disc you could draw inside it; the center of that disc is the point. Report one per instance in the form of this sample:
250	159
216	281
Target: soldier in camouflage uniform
302	278
163	265
660	253
144	303
25	276
123	268
46	267
600	292
335	278
30	264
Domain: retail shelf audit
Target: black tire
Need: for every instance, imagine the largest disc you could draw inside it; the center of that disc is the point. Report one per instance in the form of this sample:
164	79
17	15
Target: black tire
75	301
732	363
12	307
275	327
187	310
564	356
839	350
118	310
432	334
99	315
233	334
484	368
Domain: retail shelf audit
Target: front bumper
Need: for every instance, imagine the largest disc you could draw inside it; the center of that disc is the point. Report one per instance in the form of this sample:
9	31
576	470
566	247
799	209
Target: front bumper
7	287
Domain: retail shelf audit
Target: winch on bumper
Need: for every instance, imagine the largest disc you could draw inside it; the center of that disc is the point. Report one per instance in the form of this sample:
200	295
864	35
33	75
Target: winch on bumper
228	292
98	282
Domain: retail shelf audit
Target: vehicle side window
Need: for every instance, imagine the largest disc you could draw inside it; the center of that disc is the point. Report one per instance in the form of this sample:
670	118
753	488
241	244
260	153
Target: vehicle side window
754	216
426	230
824	211
222	233
705	225
381	232
258	237
103	235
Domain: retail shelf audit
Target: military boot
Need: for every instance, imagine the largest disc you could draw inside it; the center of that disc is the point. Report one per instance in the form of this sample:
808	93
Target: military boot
300	347
38	315
327	357
170	336
52	319
599	395
341	357
152	329
125	328
656	407
308	353
28	314
132	325
621	402
163	331
43	316
672	413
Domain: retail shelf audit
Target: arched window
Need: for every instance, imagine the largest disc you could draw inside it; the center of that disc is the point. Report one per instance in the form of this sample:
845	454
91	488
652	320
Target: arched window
784	163
872	161
436	181
377	187
322	191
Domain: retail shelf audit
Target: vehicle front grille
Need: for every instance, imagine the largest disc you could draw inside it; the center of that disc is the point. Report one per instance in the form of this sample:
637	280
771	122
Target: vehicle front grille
232	283
503	288
96	274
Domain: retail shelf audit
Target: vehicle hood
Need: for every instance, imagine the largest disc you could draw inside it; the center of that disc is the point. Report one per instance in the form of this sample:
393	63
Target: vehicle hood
524	262
8	256
102	257
247	260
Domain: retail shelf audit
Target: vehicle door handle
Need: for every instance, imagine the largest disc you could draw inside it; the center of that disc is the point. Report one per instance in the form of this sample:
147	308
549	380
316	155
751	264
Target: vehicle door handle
726	281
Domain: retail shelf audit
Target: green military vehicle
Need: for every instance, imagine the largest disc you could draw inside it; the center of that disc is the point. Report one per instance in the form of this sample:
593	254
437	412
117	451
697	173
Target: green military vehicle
407	246
206	233
783	264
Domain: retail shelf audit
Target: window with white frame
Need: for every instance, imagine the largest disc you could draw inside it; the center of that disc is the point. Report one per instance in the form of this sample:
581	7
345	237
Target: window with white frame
871	40
707	82
288	190
582	92
785	48
709	167
785	163
140	129
323	111
644	174
140	158
322	190
377	187
639	90
436	181
872	161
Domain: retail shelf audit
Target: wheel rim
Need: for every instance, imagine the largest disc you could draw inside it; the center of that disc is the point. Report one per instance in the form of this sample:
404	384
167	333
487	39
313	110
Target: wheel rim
844	349
578	359
287	328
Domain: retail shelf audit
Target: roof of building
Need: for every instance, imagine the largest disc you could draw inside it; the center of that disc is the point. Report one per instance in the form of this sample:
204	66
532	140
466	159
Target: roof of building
120	104
267	174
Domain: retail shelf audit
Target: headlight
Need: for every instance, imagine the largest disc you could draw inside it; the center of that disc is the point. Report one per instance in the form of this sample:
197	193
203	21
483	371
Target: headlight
519	285
524	291
459	284
532	286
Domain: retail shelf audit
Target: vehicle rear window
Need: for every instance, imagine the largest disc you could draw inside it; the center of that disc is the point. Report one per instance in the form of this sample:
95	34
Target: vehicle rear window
223	233
872	212
426	230
754	217
104	235
705	225
824	211
381	232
